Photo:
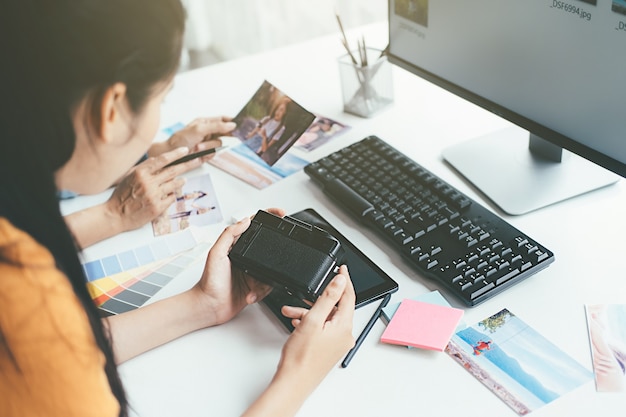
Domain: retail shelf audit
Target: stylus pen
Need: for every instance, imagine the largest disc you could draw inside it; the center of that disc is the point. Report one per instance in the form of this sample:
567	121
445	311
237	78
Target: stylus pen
194	156
366	330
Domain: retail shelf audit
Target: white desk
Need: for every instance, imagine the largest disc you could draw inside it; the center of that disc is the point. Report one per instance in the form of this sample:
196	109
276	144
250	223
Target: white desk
219	371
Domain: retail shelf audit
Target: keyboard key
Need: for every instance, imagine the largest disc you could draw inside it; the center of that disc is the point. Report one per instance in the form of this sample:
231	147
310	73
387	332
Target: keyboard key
509	274
347	196
481	289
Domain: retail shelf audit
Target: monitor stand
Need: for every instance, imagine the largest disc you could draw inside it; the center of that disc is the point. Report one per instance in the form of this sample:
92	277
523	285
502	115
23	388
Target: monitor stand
520	178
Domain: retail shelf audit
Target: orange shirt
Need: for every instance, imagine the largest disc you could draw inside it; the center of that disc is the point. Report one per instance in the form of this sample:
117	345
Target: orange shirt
50	364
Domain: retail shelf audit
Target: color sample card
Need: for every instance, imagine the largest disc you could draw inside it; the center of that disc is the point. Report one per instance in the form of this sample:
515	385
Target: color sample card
516	363
128	290
422	325
142	255
606	324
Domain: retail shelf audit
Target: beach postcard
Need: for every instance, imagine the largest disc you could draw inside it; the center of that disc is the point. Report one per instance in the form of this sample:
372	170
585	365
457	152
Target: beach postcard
515	362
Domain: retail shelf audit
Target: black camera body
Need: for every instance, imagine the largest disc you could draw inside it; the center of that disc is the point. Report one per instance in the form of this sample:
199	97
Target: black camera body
288	254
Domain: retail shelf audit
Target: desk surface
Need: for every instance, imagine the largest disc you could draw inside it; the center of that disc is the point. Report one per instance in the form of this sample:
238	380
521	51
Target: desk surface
219	371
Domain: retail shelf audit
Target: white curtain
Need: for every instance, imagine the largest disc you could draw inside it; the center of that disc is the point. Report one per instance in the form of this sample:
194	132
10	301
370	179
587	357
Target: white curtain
232	28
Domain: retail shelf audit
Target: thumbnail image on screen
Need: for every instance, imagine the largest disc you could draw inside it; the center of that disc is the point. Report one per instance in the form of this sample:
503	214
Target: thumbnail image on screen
414	10
619	6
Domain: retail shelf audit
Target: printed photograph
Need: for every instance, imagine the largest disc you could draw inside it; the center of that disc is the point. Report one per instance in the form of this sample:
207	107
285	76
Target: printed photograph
322	130
241	162
515	362
414	10
196	204
271	123
619	6
607	336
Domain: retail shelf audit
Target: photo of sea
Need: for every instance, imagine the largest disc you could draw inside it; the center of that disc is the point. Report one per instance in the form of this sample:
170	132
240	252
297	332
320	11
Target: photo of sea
619	6
516	363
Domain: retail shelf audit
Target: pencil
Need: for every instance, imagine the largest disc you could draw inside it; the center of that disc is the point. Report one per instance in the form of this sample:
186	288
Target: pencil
194	156
364	60
365	332
345	39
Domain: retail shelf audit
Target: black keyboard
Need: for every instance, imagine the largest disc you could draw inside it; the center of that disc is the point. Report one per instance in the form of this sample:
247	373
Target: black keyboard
444	234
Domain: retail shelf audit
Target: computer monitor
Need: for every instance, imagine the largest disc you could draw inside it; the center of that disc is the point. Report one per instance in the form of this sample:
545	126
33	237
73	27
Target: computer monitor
553	68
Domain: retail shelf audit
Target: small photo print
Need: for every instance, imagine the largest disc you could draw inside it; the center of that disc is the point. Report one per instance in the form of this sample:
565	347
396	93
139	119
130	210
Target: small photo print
414	10
606	324
319	132
515	362
196	205
270	123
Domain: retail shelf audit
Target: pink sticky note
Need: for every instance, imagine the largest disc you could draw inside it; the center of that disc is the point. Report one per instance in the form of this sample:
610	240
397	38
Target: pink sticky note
422	325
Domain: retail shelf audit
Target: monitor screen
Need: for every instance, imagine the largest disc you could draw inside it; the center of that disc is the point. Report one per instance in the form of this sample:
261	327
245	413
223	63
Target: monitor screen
554	68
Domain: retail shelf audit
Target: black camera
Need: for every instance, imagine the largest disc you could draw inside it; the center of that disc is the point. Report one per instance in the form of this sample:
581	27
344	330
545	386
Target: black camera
288	254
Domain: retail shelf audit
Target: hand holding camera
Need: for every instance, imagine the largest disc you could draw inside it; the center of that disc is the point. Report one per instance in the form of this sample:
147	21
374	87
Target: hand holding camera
288	254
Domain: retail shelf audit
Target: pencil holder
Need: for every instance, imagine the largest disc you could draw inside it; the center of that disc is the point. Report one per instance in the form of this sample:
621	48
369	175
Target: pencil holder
366	89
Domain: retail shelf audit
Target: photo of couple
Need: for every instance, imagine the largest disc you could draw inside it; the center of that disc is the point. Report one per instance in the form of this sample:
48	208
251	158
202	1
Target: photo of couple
268	126
271	122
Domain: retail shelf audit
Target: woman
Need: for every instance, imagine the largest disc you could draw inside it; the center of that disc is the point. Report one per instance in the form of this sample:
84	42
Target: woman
82	88
269	128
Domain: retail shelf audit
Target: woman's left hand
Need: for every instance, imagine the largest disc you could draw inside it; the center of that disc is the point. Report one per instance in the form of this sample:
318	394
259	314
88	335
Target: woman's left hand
201	134
224	290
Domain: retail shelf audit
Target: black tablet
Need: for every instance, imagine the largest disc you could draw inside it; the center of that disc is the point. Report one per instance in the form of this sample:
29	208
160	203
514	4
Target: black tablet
370	282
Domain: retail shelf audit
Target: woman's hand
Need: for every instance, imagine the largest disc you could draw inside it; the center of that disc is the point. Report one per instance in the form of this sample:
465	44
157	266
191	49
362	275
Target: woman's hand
142	195
201	134
322	336
223	290
148	189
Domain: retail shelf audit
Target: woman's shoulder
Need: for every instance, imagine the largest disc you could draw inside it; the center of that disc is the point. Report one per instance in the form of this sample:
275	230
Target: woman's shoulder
47	332
19	249
32	285
29	278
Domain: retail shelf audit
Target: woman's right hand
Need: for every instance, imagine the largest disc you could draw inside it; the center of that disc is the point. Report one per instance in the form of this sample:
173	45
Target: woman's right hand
149	189
322	335
145	192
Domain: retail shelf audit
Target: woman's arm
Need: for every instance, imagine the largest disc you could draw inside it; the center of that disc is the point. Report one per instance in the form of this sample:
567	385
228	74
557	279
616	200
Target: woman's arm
145	328
220	294
148	189
146	192
258	128
322	335
203	129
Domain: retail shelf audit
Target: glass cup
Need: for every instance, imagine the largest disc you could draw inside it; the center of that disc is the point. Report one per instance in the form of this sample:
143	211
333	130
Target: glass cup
366	89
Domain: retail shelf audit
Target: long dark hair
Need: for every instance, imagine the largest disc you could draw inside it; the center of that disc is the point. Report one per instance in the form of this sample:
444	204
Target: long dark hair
55	54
